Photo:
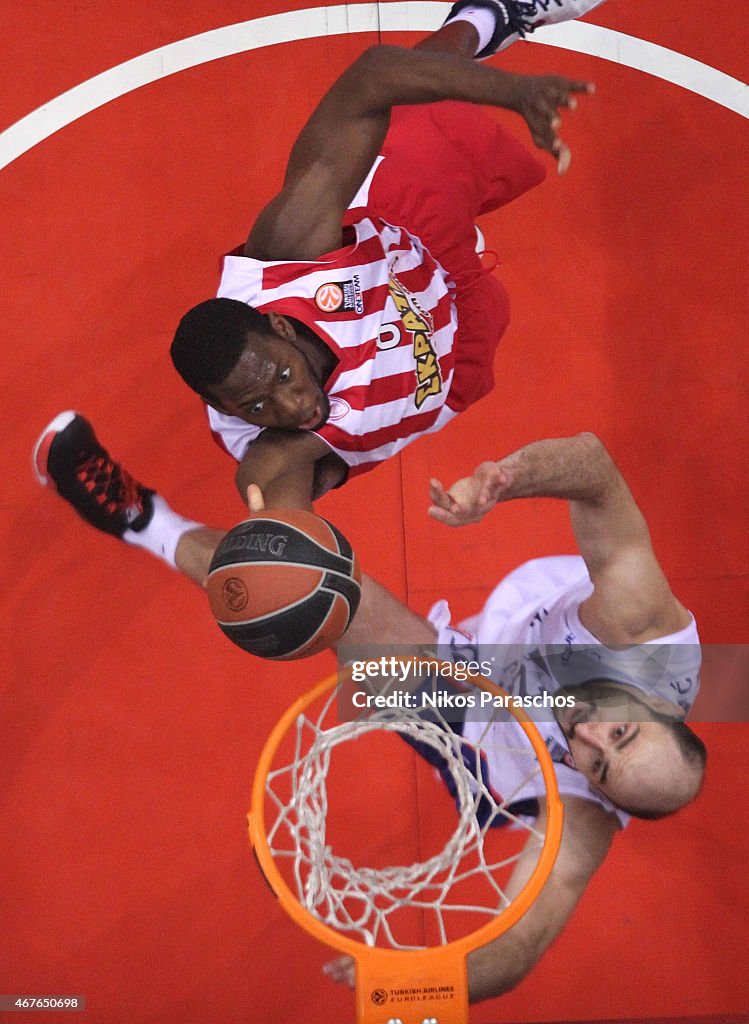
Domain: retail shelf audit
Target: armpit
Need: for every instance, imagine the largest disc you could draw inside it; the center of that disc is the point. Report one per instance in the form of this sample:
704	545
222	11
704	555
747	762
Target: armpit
330	472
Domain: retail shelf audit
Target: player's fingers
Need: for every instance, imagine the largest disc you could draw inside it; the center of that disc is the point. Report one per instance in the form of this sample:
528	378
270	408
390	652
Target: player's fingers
439	496
544	124
563	155
442	516
562	93
255	499
570	85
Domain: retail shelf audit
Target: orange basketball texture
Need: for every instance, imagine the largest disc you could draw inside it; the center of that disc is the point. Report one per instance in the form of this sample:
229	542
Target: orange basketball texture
284	584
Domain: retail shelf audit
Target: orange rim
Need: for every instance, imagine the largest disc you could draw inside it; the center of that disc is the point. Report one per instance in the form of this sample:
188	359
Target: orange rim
504	920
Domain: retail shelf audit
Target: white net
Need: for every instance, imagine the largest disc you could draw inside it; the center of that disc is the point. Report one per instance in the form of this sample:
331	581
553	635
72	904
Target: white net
452	891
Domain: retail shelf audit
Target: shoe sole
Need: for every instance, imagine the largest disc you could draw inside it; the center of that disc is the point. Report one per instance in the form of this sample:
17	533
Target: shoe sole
40	454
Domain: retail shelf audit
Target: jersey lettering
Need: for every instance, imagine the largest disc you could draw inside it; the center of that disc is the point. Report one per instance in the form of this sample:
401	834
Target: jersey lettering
393	338
389	336
420	326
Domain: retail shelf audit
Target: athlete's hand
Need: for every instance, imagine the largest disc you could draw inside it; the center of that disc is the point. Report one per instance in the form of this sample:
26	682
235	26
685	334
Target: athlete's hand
343	970
539	99
469	499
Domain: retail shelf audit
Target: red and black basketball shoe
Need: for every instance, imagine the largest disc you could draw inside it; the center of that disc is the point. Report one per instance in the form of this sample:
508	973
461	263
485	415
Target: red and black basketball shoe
69	457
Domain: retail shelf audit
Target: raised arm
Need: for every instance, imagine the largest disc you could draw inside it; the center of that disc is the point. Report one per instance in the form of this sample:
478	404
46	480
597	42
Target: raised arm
337	146
501	965
632	601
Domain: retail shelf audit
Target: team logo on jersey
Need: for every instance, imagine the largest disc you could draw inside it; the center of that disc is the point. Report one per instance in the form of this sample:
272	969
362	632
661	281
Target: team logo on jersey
339	408
329	297
340	296
420	325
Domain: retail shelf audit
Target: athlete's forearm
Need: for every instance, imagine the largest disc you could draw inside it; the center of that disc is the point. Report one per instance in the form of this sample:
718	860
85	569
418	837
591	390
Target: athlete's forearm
574	468
282	465
388	76
588	832
605	518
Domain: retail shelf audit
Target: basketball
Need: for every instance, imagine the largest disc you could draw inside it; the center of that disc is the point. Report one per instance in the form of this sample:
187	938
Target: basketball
284	584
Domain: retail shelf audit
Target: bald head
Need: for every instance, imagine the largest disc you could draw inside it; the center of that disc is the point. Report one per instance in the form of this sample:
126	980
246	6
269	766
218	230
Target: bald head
646	762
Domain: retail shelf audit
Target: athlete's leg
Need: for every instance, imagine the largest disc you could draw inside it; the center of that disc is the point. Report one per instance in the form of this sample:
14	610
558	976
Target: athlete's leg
195	550
514	19
69	458
454	37
444	165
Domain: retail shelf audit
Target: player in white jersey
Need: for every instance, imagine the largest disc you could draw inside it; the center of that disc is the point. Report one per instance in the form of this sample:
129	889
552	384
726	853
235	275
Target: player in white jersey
355	351
604	628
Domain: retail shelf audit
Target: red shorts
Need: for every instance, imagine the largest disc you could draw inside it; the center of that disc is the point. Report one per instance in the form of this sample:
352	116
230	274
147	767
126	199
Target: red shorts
446	164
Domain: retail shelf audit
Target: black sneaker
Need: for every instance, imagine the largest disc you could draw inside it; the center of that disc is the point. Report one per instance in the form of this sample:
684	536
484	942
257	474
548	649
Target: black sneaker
516	18
510	25
69	458
535	14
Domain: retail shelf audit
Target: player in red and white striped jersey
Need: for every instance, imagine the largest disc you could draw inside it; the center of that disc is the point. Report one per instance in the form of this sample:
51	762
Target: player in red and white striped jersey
378	395
341	334
358	315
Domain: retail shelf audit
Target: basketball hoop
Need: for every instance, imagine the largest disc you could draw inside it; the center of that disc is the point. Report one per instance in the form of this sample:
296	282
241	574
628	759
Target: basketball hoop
409	928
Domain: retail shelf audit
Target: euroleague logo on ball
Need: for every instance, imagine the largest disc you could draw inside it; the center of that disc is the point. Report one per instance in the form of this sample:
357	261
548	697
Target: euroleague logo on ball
379	996
235	594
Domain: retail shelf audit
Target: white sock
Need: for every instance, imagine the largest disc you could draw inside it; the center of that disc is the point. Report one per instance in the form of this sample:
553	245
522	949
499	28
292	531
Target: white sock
162	534
483	20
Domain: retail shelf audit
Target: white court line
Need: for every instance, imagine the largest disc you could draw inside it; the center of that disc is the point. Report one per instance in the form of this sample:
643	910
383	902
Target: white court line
343	19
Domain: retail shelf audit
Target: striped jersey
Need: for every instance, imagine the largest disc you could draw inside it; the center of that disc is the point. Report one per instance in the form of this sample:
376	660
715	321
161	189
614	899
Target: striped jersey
385	308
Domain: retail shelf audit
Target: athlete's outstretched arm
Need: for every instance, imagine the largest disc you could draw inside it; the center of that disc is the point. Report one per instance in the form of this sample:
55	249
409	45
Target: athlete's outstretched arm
632	601
588	833
337	146
499	966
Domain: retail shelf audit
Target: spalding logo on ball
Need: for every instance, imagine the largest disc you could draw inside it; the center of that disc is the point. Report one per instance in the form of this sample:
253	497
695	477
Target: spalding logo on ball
284	584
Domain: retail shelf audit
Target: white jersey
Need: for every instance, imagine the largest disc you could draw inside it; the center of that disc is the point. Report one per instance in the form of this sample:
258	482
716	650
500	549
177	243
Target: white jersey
531	627
385	308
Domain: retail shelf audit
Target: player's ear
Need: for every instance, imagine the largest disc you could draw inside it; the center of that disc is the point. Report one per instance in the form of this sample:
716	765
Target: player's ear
281	326
569	760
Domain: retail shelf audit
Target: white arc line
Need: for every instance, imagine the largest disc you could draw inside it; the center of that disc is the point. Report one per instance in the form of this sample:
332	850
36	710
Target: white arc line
289	26
659	61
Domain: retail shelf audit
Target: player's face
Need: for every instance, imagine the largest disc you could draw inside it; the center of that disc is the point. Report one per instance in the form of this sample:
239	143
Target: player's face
626	753
274	385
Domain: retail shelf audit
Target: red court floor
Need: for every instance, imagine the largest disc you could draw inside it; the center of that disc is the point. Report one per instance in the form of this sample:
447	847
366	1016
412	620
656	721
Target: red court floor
130	727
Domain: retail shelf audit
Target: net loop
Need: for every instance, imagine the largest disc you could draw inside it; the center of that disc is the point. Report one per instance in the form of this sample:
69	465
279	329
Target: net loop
363	901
